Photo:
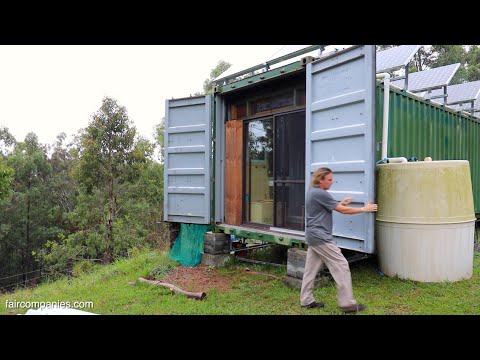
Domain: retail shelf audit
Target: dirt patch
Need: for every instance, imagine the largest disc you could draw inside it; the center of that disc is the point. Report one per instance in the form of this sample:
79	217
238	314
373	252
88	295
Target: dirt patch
197	279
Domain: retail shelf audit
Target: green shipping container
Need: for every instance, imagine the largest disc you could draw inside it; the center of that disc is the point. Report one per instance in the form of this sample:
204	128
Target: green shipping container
420	129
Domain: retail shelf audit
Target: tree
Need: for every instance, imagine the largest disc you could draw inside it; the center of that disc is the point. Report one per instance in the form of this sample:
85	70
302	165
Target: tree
25	216
107	149
473	61
442	55
6	175
221	67
61	184
160	137
7	141
422	60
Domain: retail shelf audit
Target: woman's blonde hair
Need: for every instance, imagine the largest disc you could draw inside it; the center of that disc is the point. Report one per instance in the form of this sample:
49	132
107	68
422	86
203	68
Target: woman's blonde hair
318	175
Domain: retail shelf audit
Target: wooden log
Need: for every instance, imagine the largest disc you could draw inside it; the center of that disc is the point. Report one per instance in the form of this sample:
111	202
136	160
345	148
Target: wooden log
198	296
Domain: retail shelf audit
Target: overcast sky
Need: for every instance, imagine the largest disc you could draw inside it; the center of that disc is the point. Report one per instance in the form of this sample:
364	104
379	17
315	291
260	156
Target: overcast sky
53	89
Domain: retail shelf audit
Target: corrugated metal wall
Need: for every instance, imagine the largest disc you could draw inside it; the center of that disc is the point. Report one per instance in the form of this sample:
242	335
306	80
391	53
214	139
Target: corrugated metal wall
419	129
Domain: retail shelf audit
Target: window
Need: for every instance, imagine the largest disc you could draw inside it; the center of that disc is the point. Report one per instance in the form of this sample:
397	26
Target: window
271	103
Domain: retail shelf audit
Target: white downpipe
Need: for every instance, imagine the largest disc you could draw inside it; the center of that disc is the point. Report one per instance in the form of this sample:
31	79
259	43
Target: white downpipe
386	107
397	160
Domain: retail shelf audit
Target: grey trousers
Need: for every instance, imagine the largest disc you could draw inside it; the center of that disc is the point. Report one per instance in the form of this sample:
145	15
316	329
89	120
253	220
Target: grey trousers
330	255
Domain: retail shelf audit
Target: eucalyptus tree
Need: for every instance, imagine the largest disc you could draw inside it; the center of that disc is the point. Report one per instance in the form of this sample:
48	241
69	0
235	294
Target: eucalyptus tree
62	186
7	141
106	154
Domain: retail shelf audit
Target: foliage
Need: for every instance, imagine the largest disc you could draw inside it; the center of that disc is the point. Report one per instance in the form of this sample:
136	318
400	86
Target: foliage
450	54
84	267
473	61
106	147
160	137
139	208
221	67
107	160
7	141
6	175
62	187
28	215
68	203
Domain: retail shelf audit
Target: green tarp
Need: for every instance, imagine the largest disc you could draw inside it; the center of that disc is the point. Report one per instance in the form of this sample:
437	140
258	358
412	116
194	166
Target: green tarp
187	248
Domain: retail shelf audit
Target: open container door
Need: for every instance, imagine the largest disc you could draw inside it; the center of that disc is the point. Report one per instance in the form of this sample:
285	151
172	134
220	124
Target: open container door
340	129
187	167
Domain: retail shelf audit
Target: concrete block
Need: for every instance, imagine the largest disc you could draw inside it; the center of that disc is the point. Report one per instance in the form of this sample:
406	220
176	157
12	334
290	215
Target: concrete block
216	260
216	237
216	249
296	263
216	243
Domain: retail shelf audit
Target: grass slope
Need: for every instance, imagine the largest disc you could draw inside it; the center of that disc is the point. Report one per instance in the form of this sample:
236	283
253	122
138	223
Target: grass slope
109	289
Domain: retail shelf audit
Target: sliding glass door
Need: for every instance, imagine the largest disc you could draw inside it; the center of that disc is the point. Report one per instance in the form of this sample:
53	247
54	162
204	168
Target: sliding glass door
274	184
289	183
259	172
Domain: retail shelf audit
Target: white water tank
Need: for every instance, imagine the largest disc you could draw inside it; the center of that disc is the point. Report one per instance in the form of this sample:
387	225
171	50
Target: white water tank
425	222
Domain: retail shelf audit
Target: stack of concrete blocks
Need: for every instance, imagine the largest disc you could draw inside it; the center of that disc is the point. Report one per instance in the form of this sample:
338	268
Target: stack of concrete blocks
296	266
216	249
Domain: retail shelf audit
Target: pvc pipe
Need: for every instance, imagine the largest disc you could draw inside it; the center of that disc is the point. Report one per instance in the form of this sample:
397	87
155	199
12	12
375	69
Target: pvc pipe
386	106
397	160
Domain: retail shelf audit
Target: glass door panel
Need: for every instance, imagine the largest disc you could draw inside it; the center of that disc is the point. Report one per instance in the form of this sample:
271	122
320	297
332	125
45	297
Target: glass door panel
289	183
259	172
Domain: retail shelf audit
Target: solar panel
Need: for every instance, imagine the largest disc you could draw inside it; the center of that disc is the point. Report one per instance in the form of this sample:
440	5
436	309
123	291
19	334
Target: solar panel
463	107
427	79
284	50
457	94
468	107
396	57
476	110
436	92
287	49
